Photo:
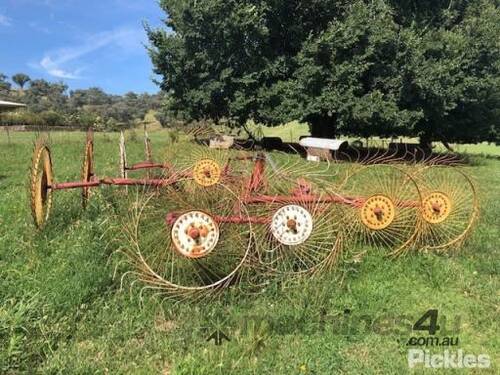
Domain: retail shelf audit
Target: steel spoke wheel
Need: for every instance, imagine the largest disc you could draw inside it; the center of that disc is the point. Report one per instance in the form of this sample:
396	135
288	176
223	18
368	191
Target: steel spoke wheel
41	179
449	207
186	244
297	230
206	167
380	209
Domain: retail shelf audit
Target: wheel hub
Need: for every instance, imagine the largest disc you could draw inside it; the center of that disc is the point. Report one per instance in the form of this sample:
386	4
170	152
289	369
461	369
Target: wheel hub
378	212
436	207
292	225
195	234
206	172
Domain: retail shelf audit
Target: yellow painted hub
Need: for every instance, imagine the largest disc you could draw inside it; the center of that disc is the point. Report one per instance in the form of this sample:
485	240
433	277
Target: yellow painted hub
206	172
436	207
378	212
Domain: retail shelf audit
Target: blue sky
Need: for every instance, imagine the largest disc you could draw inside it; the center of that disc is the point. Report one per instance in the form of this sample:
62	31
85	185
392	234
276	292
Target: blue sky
83	43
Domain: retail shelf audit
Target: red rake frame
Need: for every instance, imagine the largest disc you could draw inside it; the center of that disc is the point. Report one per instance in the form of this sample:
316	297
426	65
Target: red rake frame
318	202
302	194
42	182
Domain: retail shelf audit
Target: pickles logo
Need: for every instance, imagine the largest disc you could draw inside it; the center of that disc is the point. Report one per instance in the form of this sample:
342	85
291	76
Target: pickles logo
448	359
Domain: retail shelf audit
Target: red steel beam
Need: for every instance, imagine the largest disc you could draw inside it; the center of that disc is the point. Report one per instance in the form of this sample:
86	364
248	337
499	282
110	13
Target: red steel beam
171	217
75	185
147	165
115	181
303	199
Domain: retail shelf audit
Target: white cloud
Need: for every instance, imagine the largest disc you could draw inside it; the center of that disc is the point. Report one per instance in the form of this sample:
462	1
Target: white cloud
58	62
52	67
5	21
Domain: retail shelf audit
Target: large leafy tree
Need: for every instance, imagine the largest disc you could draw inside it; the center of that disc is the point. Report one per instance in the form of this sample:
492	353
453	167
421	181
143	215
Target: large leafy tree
453	74
383	67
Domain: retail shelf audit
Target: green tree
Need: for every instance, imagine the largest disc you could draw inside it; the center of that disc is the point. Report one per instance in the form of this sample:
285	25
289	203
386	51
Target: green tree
453	76
21	79
383	67
90	96
46	96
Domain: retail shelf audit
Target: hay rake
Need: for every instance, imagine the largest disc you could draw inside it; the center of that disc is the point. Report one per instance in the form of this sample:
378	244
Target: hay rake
302	226
213	218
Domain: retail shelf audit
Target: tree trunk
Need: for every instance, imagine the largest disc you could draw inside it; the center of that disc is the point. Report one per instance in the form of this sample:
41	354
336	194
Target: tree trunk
426	142
447	146
322	125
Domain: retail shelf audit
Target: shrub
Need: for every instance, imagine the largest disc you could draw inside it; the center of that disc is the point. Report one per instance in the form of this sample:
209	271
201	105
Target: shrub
19	118
86	119
52	118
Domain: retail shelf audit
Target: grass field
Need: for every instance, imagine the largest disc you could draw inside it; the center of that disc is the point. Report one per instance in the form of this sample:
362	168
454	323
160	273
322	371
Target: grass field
62	309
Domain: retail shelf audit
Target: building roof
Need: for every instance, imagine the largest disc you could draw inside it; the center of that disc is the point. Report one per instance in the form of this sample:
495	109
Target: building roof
10	105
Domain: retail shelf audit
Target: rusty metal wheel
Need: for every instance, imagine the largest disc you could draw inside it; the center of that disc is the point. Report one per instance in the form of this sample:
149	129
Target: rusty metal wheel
298	228
450	207
206	167
41	179
188	245
87	166
380	209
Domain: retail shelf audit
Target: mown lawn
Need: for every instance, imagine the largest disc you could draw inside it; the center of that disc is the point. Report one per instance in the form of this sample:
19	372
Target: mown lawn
62	308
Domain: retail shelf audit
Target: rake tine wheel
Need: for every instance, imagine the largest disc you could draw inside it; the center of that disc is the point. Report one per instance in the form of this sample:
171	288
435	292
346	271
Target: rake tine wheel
180	243
449	207
298	237
41	178
212	166
298	233
87	166
380	209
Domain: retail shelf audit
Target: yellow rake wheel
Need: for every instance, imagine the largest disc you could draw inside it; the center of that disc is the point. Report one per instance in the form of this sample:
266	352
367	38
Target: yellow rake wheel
41	178
378	212
207	172
205	167
449	207
180	246
87	167
380	209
